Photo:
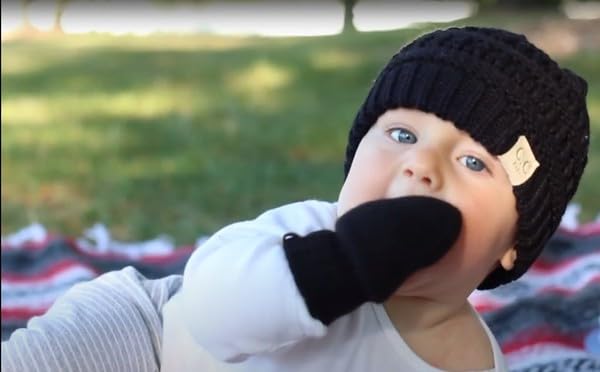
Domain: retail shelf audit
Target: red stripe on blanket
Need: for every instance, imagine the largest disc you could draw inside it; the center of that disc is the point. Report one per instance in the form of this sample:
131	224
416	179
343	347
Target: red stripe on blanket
486	307
539	336
23	313
50	272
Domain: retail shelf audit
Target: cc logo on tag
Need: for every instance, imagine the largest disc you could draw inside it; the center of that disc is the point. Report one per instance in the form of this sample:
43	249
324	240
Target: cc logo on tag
519	162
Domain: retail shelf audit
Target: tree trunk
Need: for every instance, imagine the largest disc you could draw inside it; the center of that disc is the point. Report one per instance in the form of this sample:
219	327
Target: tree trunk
58	12
26	25
349	15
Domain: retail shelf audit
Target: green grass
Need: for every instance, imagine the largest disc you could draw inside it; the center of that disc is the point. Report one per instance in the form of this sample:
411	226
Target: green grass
183	134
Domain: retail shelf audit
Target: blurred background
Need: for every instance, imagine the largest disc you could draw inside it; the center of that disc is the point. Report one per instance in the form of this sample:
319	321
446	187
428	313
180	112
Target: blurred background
178	117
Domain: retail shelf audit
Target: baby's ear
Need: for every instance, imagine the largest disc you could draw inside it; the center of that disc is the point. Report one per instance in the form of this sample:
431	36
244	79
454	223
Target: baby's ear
507	261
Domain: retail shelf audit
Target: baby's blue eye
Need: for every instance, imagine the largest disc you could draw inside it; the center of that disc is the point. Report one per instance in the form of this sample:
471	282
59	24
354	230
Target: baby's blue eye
403	135
473	163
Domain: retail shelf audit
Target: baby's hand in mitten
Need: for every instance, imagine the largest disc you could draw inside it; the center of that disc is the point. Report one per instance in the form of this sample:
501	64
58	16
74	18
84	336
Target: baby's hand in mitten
389	239
375	247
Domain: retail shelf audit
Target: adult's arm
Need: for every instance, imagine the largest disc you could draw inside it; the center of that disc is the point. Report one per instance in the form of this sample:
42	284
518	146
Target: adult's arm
111	323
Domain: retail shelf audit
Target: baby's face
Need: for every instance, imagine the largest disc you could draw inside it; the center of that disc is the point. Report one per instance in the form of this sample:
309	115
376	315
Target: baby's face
409	152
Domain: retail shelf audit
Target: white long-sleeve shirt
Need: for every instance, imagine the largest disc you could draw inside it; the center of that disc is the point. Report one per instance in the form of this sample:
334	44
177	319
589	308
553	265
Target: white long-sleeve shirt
239	304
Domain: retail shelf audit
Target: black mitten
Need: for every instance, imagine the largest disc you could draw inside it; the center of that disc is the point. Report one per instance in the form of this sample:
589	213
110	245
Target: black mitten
375	247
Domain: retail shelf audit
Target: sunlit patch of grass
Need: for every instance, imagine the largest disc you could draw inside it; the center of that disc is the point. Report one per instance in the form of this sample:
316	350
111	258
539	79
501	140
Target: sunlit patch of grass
334	59
155	100
28	109
259	83
32	56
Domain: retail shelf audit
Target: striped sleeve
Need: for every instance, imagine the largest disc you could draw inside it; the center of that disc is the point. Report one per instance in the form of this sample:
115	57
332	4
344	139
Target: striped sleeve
112	323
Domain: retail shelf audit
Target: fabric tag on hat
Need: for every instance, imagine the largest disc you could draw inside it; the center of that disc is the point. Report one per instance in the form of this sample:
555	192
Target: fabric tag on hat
519	162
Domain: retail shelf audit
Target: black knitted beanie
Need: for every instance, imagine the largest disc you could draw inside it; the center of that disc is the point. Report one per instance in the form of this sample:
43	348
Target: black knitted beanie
497	86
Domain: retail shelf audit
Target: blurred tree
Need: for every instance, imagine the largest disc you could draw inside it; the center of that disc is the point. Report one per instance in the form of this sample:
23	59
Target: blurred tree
58	12
25	22
59	9
349	15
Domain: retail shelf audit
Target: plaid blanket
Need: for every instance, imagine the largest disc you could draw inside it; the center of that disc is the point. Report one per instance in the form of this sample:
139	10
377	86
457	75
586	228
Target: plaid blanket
548	320
38	267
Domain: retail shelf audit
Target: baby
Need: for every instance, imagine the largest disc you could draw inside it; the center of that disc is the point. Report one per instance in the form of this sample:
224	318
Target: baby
459	166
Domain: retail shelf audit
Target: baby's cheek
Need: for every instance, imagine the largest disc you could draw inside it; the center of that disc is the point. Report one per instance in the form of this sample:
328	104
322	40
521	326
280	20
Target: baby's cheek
481	246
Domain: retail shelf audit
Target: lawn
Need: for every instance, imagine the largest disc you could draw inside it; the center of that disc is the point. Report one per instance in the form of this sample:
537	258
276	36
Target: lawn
182	134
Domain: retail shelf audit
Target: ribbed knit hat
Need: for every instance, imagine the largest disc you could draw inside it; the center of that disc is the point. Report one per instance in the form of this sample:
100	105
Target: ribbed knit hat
497	86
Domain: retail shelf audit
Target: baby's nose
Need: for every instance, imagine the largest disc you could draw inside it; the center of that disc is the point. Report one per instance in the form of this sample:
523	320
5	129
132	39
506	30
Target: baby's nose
424	178
425	171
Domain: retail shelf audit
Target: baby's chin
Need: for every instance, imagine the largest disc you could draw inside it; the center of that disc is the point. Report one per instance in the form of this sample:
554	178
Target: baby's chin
344	206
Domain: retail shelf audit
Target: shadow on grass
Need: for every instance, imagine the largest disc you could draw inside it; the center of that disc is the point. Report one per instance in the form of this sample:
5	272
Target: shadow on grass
112	69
